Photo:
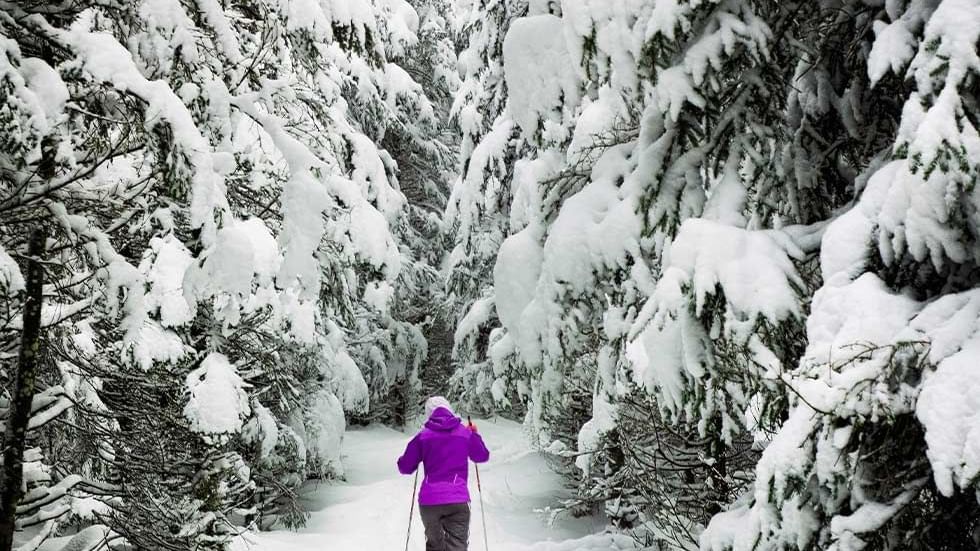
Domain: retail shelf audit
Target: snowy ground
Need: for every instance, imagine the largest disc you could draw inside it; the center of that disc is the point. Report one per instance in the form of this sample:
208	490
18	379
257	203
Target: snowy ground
369	511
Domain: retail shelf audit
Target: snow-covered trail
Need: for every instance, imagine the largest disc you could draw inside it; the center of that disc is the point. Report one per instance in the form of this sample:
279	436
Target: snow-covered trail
369	511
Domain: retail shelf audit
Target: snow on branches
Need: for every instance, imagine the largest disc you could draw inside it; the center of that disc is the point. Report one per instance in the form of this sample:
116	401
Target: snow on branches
749	226
229	241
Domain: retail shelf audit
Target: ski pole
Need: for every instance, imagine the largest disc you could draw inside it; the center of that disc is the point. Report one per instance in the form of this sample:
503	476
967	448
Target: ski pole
411	510
479	491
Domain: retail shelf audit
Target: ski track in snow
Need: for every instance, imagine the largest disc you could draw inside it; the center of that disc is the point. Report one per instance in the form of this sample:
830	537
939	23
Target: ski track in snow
369	510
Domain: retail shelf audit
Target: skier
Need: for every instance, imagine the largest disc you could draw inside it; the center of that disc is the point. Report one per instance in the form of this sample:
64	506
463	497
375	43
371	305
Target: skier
444	446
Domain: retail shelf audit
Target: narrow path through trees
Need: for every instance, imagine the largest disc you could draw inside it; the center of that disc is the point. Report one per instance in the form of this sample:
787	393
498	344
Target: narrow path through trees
368	511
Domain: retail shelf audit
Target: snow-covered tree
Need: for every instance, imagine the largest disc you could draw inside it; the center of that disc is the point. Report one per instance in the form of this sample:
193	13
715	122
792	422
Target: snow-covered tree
418	145
425	177
224	249
476	217
677	172
875	451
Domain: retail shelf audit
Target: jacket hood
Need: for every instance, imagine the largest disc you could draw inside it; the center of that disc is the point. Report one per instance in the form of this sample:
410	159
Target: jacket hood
442	420
436	402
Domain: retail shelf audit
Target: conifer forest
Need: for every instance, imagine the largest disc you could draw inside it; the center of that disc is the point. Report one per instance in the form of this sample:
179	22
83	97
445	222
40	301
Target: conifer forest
707	272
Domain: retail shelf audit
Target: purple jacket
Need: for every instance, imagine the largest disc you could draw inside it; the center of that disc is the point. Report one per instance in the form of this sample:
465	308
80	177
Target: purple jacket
445	446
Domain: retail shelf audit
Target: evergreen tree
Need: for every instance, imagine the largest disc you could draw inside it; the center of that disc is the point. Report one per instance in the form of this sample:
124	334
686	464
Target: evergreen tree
676	190
477	212
226	241
864	457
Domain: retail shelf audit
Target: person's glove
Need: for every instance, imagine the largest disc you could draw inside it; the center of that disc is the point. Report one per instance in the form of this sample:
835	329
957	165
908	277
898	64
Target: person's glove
472	427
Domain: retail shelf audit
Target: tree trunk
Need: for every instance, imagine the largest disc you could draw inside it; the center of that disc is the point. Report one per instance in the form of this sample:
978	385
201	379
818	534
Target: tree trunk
22	395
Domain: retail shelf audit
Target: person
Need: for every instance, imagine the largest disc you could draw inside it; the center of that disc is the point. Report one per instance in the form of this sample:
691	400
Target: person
444	447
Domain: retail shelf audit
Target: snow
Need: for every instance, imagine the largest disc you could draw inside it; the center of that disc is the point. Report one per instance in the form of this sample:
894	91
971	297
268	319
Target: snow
217	402
669	17
107	60
501	348
244	253
753	269
665	358
530	177
369	509
304	200
403	24
915	205
738	528
372	239
29	106
89	507
218	22
11	280
867	518
47	405
591	229
660	257
597	119
84	337
894	43
617	32
378	295
843	320
675	87
844	379
324	427
478	314
175	31
540	75
949	409
947	405
347	382
368	167
230	266
165	276
466	193
602	421
954	30
262	428
122	275
847	241
320	18
515	276
154	343
48	88
88	538
265	253
728	29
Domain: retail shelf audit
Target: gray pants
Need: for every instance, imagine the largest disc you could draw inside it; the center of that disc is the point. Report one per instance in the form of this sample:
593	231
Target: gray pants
447	527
